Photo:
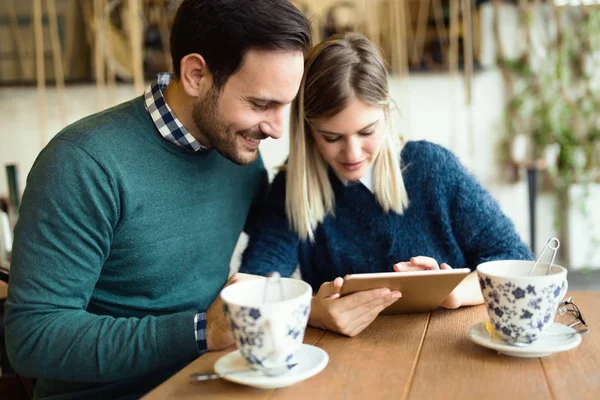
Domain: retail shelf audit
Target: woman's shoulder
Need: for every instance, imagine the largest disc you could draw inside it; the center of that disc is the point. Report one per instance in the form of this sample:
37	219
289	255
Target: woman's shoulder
426	155
423	150
425	161
277	186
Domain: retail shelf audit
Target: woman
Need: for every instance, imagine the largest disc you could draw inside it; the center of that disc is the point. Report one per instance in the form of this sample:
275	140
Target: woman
352	199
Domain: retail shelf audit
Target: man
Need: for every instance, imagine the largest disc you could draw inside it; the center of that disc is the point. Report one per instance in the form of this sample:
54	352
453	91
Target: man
130	216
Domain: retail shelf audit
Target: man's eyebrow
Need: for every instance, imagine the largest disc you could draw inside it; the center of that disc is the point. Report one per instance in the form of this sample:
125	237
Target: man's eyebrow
335	133
266	100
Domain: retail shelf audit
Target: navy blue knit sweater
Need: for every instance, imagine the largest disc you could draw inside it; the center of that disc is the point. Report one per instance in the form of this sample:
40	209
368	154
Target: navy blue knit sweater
450	218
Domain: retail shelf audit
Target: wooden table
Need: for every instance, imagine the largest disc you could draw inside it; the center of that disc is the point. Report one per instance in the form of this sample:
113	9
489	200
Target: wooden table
420	356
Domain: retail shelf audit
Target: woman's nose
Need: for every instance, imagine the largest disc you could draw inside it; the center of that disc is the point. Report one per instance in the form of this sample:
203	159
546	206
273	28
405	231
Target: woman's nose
353	149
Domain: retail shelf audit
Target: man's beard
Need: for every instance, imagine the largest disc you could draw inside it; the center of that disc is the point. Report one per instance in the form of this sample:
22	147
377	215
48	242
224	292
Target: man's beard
210	123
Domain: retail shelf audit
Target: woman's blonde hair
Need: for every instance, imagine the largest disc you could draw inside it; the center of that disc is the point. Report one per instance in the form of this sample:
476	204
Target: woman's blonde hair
341	68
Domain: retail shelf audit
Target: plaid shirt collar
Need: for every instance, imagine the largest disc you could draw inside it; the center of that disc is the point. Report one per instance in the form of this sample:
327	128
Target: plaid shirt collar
165	120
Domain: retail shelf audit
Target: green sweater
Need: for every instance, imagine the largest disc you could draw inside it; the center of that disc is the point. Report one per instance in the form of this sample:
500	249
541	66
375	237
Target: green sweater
122	238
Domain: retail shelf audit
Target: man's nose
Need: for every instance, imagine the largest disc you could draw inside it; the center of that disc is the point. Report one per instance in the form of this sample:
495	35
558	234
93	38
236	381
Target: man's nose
273	125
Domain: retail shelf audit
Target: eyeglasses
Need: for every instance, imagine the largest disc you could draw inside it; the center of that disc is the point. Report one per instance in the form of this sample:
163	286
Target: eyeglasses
568	307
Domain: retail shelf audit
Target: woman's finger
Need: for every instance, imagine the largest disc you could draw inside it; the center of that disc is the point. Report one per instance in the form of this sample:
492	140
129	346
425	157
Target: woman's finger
357	305
427	262
412	269
331	290
328	289
360	319
407	267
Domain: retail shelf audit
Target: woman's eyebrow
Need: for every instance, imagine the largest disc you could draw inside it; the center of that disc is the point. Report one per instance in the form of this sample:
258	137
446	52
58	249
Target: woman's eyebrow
335	133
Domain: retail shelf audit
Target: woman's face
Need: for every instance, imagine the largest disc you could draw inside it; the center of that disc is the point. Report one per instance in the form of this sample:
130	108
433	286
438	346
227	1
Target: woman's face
350	140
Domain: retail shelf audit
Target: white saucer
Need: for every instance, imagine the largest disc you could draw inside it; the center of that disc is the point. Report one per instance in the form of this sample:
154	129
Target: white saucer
542	347
310	359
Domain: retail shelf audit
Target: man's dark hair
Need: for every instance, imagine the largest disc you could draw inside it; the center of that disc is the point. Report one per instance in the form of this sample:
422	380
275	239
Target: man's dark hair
222	31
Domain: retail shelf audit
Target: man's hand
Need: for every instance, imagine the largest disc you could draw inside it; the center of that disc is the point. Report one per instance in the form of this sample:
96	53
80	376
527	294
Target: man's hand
218	335
348	315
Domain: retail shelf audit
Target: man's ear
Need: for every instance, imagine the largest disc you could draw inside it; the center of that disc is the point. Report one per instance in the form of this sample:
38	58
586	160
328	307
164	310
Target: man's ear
194	75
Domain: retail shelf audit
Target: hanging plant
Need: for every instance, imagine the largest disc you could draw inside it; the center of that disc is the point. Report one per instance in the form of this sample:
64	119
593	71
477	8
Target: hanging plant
553	97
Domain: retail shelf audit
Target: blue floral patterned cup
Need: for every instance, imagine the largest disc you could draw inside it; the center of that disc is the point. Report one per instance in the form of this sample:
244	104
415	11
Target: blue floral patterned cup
521	306
268	317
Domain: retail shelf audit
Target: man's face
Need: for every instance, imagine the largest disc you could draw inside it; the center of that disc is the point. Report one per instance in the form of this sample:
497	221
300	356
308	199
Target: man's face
249	108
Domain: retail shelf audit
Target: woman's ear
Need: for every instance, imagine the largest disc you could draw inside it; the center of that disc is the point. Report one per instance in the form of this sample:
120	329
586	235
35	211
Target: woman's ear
194	75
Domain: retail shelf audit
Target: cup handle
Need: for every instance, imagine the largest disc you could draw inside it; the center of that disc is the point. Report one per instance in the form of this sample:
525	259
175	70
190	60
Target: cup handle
563	291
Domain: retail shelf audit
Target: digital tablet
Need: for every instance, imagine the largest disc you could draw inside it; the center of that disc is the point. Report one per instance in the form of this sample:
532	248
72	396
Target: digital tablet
422	291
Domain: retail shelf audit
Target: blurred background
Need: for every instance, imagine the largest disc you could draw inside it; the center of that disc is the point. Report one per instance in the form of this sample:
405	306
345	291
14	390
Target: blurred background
511	87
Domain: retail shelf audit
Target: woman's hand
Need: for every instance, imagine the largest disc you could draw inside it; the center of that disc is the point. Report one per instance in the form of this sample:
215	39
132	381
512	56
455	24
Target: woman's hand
455	298
351	314
421	263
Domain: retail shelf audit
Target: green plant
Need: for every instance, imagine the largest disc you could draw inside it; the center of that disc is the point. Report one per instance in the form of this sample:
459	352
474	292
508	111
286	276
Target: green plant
553	97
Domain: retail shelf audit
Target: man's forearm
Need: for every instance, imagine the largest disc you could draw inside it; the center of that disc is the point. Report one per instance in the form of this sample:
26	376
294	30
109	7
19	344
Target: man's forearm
74	345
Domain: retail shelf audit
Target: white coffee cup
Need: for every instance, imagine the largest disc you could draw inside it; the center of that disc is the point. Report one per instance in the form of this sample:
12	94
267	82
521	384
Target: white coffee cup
268	317
521	306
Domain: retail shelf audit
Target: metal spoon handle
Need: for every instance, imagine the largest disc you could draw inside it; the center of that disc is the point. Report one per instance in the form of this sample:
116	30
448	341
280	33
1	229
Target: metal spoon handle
552	244
548	335
206	377
581	332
